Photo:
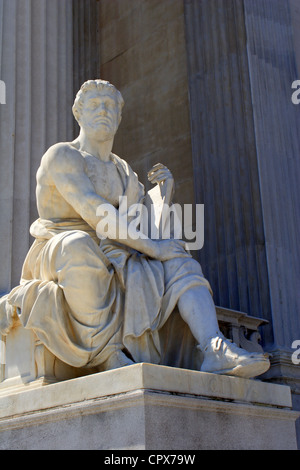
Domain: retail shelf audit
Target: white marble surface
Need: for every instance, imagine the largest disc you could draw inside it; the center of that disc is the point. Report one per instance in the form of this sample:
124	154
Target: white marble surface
145	406
144	376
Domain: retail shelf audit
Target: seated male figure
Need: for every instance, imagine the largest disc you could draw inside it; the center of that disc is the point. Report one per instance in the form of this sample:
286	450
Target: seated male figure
102	303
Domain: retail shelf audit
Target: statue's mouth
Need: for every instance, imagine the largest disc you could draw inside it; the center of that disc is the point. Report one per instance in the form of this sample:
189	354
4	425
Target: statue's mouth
102	119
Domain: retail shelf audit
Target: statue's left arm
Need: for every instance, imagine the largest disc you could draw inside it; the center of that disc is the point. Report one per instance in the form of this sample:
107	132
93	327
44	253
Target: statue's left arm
159	173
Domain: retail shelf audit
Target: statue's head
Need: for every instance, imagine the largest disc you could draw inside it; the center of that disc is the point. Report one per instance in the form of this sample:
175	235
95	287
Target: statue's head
98	106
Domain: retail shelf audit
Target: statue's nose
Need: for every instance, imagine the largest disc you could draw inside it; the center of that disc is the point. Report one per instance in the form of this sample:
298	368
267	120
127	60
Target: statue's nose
103	109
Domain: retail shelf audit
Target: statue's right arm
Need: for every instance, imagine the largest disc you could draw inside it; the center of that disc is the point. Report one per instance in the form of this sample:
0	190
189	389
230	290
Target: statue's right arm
65	167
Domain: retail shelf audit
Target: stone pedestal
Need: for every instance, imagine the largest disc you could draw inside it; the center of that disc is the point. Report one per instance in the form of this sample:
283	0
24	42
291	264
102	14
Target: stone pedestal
146	406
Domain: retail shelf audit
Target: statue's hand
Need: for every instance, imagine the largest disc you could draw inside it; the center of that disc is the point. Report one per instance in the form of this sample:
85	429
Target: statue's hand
159	173
169	249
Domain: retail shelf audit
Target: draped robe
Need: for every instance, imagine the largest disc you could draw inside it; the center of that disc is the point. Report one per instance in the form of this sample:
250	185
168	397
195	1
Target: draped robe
85	298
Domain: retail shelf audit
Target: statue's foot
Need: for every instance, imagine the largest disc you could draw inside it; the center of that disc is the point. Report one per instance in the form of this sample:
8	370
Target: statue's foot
116	359
223	357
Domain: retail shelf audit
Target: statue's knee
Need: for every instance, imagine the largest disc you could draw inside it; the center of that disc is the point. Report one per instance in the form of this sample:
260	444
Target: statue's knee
76	243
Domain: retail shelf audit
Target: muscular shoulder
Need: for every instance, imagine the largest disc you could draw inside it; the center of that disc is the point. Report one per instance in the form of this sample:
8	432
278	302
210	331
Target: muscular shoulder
62	158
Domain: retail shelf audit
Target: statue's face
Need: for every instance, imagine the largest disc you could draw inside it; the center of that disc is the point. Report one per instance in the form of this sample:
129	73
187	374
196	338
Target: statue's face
100	114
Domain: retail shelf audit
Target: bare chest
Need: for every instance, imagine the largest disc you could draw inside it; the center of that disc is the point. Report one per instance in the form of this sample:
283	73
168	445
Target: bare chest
105	178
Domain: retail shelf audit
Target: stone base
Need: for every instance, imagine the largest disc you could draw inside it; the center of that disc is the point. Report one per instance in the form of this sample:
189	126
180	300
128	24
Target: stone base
152	407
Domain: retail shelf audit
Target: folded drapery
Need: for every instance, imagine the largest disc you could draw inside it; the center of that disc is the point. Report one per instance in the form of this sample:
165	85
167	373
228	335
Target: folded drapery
85	299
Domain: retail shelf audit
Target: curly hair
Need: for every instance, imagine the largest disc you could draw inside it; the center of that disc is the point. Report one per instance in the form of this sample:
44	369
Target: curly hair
99	85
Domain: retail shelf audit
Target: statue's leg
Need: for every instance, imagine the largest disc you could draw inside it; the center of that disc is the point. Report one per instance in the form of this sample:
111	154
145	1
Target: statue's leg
220	355
197	309
91	292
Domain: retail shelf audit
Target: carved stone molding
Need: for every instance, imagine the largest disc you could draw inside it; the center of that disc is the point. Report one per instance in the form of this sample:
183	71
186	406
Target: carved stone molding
241	328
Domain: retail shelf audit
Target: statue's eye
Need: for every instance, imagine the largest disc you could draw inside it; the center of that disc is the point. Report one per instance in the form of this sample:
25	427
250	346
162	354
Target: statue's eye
110	104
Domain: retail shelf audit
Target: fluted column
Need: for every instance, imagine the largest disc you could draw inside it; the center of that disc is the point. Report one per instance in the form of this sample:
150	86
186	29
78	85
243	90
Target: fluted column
224	156
246	148
36	66
272	68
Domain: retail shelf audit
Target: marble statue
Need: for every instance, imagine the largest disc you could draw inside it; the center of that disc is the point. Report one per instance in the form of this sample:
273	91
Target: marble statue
97	301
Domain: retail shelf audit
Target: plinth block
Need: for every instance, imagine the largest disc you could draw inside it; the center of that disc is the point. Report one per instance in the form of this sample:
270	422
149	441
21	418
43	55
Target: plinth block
146	406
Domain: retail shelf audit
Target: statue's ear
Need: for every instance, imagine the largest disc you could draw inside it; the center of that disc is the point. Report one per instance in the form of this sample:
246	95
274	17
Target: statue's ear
76	114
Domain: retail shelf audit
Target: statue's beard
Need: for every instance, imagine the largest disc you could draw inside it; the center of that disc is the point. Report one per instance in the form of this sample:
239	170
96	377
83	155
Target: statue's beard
104	133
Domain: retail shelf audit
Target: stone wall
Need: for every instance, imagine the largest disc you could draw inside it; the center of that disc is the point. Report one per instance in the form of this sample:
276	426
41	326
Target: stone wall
142	52
295	17
84	18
